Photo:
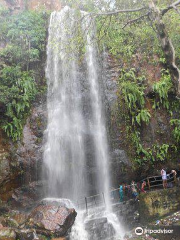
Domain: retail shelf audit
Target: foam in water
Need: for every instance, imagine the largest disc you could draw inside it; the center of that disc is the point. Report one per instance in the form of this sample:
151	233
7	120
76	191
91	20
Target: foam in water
71	121
78	231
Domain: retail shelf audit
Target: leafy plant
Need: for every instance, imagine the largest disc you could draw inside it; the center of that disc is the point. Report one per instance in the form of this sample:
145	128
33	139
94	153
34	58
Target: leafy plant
133	95
143	116
25	37
162	89
22	90
176	131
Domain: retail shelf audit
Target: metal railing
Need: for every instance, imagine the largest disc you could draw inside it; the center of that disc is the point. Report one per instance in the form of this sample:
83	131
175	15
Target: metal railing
99	200
156	181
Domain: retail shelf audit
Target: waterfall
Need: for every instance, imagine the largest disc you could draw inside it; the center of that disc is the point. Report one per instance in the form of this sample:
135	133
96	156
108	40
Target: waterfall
99	128
68	127
64	155
76	150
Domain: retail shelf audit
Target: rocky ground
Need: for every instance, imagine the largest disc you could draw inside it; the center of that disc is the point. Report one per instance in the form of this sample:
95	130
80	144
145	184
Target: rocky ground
171	222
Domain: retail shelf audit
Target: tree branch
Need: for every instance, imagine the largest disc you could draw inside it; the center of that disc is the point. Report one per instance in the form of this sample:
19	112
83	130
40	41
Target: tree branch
135	20
118	11
173	5
176	9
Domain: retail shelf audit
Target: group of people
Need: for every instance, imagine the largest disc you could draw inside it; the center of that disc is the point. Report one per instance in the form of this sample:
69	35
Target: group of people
165	176
131	191
134	189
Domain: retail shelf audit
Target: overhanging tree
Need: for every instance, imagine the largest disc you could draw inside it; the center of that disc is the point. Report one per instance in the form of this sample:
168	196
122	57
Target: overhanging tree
148	10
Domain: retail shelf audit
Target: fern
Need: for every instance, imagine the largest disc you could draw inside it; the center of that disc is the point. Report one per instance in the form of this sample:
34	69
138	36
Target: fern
176	131
24	90
133	95
162	89
143	116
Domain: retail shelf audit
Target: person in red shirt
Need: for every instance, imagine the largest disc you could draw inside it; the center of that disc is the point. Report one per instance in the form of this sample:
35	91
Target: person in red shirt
143	186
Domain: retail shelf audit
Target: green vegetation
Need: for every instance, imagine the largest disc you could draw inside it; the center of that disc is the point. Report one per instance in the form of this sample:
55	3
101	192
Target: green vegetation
146	95
162	89
18	90
136	116
176	131
145	92
133	96
24	38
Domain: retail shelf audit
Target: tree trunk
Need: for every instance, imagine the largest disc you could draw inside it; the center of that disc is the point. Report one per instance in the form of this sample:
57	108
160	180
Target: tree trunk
167	46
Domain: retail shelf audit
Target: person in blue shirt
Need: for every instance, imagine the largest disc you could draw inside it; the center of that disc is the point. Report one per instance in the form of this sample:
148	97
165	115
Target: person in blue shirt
121	193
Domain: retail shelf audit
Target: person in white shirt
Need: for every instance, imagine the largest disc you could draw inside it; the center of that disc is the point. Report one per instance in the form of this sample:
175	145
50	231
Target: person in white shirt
164	178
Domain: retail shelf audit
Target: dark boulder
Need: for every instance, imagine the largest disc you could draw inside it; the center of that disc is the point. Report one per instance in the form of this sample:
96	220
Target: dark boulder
50	219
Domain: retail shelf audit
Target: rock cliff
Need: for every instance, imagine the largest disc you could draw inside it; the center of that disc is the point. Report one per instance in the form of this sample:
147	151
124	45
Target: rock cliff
15	5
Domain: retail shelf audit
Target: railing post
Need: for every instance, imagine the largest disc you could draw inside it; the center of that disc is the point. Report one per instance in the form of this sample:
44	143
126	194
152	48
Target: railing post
104	199
149	186
86	205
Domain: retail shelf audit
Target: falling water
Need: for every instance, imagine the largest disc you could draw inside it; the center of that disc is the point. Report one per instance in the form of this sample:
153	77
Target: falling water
64	151
99	136
75	115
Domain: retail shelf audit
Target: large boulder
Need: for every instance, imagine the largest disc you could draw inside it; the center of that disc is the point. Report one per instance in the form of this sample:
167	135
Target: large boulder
50	219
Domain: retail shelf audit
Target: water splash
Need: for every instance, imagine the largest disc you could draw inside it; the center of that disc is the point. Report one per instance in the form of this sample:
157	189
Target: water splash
78	231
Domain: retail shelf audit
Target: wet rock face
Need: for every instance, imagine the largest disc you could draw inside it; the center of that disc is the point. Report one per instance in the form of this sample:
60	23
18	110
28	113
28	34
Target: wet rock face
48	4
22	163
4	165
26	197
119	161
159	204
30	150
9	169
15	5
127	213
49	219
100	229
